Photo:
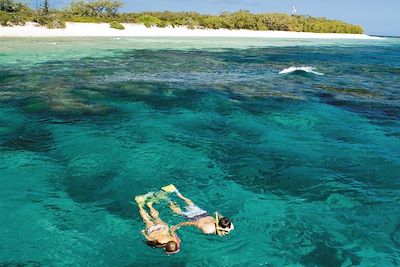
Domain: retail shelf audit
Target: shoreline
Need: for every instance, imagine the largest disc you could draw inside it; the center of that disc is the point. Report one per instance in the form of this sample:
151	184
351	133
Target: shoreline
139	30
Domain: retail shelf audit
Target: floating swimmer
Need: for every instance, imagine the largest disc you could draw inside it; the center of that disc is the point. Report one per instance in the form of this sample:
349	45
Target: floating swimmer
157	233
198	217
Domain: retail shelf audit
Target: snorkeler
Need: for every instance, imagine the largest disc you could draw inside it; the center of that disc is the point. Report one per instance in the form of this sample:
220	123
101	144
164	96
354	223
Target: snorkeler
157	232
198	217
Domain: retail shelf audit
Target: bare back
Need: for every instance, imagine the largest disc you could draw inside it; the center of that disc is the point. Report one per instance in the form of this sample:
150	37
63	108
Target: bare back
206	225
161	236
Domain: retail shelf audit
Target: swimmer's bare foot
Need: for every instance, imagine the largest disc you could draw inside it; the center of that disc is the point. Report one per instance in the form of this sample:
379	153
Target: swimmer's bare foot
169	188
140	200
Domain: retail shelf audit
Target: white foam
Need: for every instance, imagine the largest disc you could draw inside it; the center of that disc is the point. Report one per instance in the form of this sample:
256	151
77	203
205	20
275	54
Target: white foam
307	69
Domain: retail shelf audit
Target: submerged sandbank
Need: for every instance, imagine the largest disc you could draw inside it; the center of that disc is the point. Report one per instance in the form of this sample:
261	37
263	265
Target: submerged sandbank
139	30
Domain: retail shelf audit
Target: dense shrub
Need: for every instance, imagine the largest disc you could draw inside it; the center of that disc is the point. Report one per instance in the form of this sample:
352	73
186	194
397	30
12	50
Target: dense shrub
85	19
117	25
96	8
55	23
12	19
240	20
149	20
5	18
13	6
14	12
211	22
52	21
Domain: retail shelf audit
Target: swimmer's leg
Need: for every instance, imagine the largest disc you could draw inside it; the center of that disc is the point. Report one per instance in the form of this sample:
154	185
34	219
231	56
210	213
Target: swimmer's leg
172	189
154	213
175	208
143	213
187	201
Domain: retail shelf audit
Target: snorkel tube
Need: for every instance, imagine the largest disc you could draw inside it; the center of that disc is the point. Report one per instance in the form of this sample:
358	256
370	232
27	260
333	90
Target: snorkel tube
221	230
216	223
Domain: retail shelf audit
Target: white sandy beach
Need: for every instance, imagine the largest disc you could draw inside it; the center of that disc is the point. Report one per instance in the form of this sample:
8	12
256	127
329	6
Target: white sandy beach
138	30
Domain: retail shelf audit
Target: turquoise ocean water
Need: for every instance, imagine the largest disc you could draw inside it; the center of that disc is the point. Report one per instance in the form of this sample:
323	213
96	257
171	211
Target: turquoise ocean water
307	166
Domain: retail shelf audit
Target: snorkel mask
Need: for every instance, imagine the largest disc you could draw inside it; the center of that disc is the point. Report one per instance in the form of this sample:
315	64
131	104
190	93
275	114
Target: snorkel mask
220	230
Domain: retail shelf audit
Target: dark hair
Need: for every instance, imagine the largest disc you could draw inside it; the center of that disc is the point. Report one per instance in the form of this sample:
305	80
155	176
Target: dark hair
224	222
171	246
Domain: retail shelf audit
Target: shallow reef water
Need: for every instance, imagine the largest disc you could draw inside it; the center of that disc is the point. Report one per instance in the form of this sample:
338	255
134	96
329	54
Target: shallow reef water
306	166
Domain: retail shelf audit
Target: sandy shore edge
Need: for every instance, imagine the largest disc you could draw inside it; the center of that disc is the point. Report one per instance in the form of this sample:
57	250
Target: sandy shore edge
139	30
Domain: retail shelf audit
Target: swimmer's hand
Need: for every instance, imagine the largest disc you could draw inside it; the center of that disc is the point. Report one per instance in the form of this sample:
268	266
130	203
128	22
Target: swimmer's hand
173	228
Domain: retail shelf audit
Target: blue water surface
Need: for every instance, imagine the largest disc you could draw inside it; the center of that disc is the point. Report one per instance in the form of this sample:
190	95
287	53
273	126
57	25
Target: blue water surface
307	166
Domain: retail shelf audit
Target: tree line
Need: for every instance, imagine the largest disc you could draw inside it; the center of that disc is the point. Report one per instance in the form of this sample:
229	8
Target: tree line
13	12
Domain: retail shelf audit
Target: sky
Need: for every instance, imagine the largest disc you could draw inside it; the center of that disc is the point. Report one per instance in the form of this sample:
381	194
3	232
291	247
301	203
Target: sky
377	17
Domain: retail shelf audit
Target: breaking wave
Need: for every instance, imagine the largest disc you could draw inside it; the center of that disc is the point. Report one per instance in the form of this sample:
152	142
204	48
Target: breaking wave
302	69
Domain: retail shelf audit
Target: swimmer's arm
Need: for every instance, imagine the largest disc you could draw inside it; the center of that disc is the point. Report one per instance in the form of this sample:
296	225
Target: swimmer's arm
185	224
179	225
146	236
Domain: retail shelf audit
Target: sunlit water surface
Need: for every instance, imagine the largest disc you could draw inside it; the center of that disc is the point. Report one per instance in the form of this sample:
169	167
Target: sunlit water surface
307	166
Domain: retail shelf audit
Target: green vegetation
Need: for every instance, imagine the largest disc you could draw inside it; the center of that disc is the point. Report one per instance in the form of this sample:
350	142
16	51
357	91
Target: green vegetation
13	12
12	6
148	20
9	19
241	20
117	25
96	8
54	22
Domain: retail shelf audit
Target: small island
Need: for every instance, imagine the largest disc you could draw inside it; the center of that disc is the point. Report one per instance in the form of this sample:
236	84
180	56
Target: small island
103	18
